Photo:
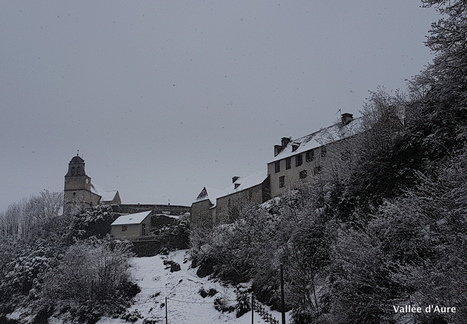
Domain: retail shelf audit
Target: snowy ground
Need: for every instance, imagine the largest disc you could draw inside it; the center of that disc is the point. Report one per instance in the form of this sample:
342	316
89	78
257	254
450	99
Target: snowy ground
184	304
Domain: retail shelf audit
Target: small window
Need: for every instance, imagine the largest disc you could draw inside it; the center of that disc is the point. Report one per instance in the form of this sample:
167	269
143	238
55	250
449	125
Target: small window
317	169
298	160
277	166
323	151
72	170
303	174
282	182
124	228
288	163
78	170
295	147
310	156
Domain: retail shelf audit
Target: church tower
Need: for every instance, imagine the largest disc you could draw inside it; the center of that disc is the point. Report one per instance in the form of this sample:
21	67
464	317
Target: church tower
77	193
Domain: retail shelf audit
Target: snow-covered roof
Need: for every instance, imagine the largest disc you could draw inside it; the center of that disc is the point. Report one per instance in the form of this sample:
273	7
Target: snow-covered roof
322	137
238	185
105	195
131	219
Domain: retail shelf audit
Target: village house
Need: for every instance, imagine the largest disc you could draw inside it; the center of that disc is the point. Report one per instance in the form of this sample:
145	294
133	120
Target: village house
318	157
131	226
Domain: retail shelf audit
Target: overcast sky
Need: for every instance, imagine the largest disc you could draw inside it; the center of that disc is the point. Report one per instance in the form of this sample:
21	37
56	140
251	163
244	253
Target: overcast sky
162	98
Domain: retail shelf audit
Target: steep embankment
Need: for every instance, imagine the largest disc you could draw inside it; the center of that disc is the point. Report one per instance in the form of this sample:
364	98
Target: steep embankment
181	288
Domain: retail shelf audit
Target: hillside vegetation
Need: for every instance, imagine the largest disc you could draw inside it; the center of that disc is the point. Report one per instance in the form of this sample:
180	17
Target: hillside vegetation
394	233
54	264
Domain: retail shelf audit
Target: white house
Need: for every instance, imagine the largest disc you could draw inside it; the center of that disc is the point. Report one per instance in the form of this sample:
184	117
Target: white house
131	226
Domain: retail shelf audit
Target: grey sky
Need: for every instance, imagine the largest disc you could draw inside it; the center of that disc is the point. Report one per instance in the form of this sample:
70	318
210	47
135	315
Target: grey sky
165	97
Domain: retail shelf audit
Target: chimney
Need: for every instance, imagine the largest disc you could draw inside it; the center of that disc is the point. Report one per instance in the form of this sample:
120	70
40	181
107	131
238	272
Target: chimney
285	141
346	118
235	178
279	148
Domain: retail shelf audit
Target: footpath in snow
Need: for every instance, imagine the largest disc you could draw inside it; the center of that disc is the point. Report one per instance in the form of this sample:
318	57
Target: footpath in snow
181	288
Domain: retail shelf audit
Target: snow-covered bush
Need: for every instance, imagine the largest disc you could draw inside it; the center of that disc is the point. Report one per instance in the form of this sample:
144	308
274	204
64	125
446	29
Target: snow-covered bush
92	278
92	222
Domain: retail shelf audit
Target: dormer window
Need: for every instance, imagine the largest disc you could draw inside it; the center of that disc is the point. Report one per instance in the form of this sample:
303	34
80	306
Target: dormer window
295	146
236	185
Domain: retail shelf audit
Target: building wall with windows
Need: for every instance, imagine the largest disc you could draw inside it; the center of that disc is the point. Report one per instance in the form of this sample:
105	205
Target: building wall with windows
329	161
228	207
324	155
213	207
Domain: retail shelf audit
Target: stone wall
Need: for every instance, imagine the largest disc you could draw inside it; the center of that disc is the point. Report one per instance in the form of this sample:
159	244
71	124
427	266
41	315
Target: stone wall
157	244
156	209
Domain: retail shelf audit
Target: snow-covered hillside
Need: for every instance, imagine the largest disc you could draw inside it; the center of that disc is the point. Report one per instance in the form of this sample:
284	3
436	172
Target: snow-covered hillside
181	288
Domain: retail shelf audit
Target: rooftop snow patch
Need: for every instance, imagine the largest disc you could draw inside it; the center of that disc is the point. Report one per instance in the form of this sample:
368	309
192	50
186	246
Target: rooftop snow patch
105	195
131	219
322	137
239	185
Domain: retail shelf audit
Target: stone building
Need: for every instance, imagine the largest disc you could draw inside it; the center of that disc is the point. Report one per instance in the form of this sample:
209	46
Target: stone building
78	192
213	207
320	156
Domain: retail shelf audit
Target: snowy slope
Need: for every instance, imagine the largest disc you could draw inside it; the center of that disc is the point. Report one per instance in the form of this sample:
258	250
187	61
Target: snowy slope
184	303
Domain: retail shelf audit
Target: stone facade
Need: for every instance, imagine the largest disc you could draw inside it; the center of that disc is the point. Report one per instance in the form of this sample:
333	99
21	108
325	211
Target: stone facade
77	192
213	207
318	157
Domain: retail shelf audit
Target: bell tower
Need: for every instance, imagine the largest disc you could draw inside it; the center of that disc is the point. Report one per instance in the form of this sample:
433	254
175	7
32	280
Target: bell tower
77	192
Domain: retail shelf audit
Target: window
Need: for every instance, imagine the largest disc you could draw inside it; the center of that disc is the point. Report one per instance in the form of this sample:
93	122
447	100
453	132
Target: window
282	182
303	174
295	146
298	160
310	156
317	169
277	166
124	228
288	163
72	170
323	151
78	170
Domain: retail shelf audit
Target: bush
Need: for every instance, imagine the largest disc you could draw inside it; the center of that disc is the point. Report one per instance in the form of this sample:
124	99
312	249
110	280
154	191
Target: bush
92	279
